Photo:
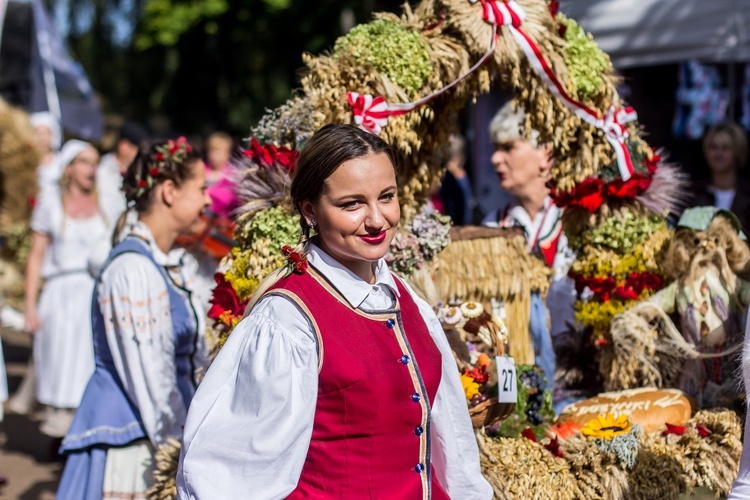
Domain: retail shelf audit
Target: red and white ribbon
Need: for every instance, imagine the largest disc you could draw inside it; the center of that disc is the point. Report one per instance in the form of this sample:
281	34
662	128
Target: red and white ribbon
510	14
372	113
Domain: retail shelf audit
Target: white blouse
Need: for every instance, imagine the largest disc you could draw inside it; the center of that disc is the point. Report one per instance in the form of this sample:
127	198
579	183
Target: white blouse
250	423
135	305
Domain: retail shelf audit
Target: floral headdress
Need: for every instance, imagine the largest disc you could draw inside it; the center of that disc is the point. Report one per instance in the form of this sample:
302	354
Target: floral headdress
171	151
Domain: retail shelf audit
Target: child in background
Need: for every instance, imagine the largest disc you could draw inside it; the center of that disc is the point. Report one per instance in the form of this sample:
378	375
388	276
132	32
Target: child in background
219	146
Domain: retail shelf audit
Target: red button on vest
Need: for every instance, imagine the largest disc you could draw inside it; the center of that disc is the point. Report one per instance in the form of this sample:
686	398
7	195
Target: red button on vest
377	382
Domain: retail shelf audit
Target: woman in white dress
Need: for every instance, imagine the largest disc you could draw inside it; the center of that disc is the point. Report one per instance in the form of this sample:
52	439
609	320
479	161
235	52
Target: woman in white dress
66	225
48	138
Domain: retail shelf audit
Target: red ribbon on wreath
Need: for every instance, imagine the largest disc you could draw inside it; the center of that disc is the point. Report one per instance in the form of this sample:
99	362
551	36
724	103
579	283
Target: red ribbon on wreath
509	14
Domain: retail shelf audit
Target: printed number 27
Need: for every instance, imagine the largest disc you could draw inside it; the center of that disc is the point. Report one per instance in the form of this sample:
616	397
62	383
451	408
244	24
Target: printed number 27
507	379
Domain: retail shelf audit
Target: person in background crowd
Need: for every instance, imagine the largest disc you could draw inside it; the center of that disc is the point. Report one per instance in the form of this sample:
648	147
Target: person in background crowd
382	414
148	333
725	148
47	133
219	147
113	165
523	167
455	191
48	141
66	225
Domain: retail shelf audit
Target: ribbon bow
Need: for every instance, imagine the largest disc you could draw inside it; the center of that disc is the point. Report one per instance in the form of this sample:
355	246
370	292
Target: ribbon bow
613	126
503	13
370	113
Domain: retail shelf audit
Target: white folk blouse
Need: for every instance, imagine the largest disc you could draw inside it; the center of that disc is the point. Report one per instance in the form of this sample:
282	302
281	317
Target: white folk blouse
250	422
135	305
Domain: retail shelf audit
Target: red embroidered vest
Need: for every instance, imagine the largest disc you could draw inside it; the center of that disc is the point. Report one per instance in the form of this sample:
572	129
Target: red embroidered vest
378	376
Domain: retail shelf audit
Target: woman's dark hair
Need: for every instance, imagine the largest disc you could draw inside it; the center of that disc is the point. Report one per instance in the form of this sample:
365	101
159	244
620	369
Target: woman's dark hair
151	162
326	151
151	167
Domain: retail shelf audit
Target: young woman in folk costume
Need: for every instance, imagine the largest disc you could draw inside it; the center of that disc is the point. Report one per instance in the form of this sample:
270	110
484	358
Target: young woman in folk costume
339	382
523	169
147	334
66	224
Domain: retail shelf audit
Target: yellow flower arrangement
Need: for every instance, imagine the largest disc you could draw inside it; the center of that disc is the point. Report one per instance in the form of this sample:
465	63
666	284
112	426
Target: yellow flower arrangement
238	274
606	427
597	261
471	388
597	315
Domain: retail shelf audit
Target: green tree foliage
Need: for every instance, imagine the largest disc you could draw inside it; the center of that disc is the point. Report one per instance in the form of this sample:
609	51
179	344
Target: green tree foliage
194	66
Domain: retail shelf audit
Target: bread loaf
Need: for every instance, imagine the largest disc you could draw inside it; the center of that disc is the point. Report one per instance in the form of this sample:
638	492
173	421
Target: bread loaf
649	407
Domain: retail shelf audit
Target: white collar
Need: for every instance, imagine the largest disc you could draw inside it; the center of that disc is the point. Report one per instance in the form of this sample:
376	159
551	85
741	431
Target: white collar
353	288
516	210
172	259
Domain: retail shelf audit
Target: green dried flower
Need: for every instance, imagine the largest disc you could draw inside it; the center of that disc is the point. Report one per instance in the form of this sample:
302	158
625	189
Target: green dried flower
622	233
277	224
392	49
586	62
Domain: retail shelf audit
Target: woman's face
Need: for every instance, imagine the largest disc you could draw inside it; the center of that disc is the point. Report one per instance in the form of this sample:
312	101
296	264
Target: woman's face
43	136
519	165
357	214
190	199
719	154
82	170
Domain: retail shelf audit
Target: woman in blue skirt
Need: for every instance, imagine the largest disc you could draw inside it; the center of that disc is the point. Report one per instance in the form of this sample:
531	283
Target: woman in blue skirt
147	333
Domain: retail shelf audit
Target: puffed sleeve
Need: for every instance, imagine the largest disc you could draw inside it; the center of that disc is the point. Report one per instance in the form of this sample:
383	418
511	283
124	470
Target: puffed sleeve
135	305
250	422
44	218
455	454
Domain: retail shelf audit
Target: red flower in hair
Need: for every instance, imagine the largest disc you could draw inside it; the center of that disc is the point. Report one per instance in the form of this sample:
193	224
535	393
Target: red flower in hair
142	183
295	261
153	172
160	157
300	267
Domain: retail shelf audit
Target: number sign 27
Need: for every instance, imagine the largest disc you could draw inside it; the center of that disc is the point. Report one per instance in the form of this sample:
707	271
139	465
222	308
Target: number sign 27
507	390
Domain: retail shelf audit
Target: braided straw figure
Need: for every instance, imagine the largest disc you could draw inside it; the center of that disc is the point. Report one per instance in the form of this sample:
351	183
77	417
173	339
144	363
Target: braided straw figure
707	260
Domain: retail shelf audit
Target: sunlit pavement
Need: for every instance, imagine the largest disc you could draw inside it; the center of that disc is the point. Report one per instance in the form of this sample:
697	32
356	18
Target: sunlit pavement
25	453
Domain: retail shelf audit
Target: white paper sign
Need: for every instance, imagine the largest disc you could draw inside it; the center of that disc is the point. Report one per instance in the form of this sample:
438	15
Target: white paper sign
507	390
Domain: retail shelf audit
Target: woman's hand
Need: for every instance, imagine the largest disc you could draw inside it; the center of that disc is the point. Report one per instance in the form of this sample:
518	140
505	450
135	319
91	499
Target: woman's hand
32	322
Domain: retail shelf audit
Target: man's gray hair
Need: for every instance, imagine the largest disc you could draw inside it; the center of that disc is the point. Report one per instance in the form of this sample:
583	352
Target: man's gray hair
507	126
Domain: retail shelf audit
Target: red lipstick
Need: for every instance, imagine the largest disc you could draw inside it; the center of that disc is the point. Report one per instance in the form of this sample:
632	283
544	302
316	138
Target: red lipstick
374	239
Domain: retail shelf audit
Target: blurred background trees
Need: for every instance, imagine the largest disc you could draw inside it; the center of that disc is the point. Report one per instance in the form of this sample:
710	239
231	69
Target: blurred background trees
194	66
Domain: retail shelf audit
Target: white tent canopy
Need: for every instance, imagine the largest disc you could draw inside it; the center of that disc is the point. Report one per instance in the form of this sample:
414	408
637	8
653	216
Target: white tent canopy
649	32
